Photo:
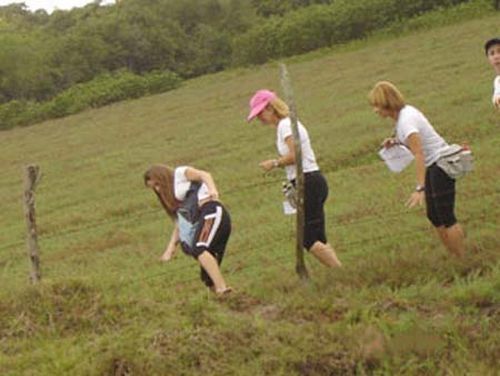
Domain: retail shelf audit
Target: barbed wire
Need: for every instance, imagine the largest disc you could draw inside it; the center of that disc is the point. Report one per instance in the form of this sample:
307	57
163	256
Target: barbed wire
272	258
238	268
90	226
13	244
235	270
131	216
237	263
375	158
393	214
372	217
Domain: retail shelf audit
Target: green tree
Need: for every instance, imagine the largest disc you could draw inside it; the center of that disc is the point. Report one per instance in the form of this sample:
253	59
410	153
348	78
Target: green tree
24	72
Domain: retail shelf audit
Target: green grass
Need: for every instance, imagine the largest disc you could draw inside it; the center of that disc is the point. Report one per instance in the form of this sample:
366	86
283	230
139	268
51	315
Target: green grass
400	305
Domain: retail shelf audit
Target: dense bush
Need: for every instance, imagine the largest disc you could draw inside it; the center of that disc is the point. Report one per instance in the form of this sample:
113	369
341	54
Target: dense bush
16	113
58	64
318	26
103	90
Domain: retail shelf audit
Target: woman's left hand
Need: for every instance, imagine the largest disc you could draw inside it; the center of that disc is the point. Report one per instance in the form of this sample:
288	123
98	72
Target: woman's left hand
267	165
167	255
214	194
416	198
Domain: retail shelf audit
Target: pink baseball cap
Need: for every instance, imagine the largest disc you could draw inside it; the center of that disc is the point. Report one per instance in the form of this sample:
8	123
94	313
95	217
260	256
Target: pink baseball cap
259	101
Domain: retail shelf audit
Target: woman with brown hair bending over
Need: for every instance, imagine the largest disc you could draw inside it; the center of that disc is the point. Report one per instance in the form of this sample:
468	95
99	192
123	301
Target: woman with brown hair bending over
202	224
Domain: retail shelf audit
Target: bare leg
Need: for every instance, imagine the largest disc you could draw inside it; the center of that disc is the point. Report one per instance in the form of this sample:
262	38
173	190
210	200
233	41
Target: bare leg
325	254
453	239
209	263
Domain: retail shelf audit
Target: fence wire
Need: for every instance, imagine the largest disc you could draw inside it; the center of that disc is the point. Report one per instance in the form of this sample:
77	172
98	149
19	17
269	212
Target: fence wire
237	260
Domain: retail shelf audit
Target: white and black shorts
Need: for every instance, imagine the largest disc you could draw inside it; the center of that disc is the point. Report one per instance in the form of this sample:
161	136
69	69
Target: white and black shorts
213	230
212	234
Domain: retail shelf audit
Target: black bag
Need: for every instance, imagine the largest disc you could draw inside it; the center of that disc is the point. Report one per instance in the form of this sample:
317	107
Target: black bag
187	217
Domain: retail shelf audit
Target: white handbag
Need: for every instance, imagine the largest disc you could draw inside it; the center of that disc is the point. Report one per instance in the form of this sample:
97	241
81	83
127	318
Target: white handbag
456	161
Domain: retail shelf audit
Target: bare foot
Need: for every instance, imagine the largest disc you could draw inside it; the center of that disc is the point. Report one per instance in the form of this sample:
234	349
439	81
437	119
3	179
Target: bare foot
223	292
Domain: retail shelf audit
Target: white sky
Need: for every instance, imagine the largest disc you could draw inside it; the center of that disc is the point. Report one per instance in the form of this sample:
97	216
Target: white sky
50	5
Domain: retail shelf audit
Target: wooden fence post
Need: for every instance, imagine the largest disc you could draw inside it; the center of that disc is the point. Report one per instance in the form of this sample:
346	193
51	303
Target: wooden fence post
300	266
31	179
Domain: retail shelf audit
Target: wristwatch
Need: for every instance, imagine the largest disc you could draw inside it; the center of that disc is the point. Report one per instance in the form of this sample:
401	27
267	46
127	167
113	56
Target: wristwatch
420	188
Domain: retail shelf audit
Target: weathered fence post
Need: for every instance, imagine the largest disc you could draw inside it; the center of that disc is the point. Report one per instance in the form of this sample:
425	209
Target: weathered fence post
300	266
31	179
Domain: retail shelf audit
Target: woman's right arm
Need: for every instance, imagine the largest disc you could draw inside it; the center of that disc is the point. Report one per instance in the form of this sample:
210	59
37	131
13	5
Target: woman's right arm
389	142
285	160
415	145
172	245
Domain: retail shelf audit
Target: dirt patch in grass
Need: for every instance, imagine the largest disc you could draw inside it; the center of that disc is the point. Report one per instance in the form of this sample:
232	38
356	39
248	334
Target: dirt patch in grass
120	367
335	363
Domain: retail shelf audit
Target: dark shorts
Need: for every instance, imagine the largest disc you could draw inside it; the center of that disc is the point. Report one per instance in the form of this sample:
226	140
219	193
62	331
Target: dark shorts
315	194
439	197
212	234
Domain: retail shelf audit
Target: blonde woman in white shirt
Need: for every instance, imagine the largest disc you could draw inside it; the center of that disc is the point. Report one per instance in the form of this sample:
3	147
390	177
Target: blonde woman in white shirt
272	111
202	224
492	50
434	186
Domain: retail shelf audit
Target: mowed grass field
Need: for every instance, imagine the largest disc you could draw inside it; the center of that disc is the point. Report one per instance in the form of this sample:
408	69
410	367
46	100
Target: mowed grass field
400	304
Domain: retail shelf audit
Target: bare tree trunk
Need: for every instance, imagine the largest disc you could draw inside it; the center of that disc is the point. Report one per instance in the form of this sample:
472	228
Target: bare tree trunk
31	179
300	266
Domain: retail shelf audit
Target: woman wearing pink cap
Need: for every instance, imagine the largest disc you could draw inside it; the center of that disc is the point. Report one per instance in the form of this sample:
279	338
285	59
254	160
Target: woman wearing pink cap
271	110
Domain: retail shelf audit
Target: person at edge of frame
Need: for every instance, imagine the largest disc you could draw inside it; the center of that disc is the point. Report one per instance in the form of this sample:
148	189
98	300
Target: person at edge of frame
492	51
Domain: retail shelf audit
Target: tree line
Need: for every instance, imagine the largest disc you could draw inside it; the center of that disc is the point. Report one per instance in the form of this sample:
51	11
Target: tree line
42	55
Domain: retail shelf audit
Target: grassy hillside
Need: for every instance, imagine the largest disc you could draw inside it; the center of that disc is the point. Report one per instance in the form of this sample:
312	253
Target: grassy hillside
400	305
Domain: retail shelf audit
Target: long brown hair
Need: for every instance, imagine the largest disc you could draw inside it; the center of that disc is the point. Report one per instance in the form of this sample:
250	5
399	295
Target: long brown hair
163	176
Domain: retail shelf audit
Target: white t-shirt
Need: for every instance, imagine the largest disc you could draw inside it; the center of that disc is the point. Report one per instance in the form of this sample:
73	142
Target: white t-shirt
182	184
308	158
496	89
411	120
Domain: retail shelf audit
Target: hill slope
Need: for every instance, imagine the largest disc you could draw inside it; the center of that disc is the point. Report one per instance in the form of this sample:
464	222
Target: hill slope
400	304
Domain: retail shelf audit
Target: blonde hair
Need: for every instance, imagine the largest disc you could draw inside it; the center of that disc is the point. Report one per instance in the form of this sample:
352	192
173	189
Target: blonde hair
163	176
387	96
280	107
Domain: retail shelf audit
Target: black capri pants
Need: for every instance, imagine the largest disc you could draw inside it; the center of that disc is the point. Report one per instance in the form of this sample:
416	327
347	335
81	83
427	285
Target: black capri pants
212	234
315	194
439	197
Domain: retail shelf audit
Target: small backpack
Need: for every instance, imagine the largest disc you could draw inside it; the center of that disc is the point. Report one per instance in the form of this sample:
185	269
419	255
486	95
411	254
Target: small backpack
187	217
